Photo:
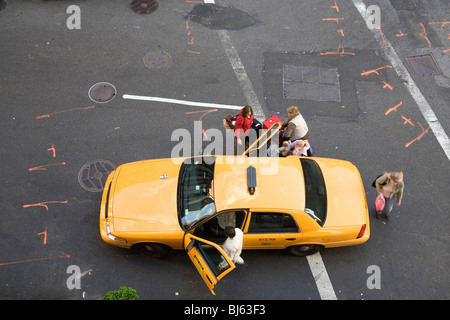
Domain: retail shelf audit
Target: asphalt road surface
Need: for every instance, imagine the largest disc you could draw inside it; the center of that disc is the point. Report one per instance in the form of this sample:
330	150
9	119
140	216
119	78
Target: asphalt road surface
382	102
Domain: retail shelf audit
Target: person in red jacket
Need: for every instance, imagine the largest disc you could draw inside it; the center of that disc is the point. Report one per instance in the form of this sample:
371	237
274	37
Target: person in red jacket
244	121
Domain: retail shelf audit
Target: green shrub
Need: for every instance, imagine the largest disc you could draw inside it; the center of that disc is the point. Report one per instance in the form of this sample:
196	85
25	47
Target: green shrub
124	293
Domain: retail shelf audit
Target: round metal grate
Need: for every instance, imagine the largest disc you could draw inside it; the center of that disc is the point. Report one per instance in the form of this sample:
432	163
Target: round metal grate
156	60
144	6
92	176
102	92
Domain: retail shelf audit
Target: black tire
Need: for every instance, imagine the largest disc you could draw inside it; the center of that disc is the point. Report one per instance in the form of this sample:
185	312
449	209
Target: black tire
154	250
304	250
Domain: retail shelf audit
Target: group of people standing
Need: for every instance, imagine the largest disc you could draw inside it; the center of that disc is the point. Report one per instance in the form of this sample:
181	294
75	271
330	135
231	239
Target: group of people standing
294	141
294	130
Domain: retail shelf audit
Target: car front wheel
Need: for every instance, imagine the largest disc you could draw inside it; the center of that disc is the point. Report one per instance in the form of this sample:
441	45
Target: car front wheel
304	250
154	250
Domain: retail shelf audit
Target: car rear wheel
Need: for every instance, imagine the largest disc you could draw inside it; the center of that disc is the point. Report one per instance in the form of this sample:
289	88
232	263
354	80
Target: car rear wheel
154	250
304	250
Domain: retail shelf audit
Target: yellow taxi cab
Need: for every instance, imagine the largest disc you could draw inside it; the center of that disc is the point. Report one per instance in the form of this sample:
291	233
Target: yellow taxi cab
302	204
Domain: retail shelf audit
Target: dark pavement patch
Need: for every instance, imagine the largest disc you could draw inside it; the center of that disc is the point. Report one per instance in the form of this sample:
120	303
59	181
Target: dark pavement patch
348	68
218	17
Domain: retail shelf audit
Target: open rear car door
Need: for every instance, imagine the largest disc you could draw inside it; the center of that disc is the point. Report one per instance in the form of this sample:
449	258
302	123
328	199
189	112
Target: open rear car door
263	140
209	258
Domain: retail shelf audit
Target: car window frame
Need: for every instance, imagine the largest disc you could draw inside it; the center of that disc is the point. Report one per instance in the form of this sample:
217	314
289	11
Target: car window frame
209	160
242	225
202	261
249	221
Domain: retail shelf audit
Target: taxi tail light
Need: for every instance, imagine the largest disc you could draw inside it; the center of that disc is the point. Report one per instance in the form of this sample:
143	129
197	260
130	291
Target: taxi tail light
361	232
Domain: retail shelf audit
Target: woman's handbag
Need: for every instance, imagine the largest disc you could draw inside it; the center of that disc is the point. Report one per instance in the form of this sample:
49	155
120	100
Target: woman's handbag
380	202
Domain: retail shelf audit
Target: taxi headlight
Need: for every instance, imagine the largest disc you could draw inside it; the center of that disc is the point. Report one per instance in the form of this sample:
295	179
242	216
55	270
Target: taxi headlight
113	237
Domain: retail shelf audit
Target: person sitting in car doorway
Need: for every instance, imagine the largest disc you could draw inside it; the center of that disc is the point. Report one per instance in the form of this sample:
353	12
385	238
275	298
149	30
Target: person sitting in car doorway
233	245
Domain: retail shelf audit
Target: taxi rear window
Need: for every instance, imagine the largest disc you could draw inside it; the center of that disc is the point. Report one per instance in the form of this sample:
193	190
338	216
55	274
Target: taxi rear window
316	195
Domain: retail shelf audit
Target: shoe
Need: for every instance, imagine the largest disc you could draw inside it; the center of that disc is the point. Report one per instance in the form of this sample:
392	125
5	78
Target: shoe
239	260
378	215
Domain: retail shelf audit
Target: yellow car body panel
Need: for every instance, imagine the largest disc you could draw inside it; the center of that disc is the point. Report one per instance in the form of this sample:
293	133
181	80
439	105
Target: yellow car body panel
279	187
133	213
140	184
142	203
342	177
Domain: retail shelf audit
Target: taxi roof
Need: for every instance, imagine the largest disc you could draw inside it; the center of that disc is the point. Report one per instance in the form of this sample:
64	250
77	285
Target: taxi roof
279	183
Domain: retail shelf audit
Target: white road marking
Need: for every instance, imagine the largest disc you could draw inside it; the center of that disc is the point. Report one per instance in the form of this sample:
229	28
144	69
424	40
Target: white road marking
403	73
183	102
241	74
315	261
320	275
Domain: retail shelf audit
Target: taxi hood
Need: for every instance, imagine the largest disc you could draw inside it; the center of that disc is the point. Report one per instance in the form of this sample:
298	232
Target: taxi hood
143	197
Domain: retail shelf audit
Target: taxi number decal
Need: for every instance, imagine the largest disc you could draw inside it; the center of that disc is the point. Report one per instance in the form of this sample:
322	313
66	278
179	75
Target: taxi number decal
265	241
197	264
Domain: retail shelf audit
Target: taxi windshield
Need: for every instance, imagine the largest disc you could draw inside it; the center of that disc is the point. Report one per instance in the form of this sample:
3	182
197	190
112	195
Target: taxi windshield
196	191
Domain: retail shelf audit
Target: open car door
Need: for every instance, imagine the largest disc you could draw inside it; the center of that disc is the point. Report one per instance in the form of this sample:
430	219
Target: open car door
209	258
263	140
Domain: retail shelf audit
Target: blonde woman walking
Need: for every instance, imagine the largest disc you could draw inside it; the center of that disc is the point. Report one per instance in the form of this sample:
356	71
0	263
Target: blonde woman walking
389	185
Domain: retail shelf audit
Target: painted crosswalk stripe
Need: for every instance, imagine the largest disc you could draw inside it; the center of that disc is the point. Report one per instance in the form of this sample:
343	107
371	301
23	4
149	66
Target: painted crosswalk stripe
321	278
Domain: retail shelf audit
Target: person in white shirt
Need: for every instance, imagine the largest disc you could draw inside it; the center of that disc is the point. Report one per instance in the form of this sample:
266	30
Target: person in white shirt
233	245
296	127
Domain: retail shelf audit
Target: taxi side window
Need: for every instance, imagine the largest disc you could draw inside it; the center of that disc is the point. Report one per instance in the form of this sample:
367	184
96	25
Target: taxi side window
271	222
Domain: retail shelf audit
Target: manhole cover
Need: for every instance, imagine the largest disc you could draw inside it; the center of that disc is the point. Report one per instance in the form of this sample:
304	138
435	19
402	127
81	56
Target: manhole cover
157	59
311	83
93	175
144	6
102	92
423	65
